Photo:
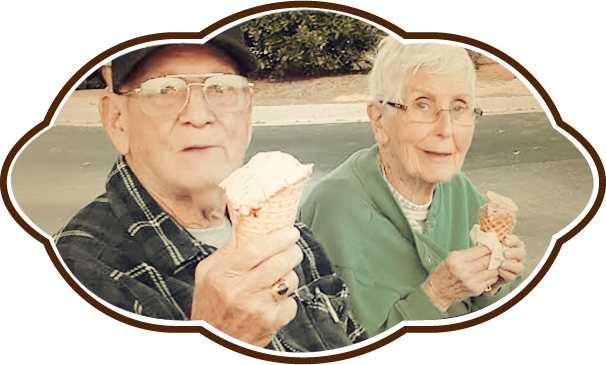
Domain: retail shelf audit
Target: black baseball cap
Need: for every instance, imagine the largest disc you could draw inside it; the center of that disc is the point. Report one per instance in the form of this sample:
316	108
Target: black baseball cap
130	23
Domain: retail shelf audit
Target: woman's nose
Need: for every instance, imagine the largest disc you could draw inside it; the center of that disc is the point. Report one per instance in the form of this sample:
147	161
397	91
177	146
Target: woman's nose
444	123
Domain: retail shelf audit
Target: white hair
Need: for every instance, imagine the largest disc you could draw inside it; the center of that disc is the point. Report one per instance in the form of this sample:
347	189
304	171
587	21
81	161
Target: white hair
396	63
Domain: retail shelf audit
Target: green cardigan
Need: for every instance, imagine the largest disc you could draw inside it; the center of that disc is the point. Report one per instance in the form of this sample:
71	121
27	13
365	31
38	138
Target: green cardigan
372	247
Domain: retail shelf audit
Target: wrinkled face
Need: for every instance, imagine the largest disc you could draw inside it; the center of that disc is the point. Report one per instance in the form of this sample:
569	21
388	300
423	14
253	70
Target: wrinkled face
197	148
429	152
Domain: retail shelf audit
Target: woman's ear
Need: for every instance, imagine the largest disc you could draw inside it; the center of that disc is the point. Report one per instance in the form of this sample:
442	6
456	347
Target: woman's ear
377	121
111	110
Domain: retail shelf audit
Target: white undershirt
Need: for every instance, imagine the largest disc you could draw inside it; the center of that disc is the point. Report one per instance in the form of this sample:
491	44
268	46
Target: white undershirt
215	236
415	214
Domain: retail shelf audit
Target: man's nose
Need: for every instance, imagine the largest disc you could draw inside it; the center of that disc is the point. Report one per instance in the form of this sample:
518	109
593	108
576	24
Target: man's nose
197	111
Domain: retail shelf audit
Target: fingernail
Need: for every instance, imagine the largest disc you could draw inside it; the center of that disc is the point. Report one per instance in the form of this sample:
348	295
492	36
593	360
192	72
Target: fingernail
293	234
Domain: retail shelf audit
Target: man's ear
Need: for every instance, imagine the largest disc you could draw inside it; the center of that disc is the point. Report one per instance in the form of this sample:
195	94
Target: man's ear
377	120
250	106
252	97
114	121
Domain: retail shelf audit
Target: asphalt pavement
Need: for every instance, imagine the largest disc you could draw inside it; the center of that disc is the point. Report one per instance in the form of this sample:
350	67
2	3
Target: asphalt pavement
518	155
517	151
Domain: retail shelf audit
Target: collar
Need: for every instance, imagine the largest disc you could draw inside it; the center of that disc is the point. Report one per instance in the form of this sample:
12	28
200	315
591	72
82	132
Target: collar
162	242
404	203
368	171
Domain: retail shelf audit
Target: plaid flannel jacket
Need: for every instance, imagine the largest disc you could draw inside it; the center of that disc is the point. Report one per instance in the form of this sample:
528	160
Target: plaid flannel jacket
128	251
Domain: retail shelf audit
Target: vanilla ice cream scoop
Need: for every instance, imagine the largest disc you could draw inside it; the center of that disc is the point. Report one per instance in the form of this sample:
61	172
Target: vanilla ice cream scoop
264	194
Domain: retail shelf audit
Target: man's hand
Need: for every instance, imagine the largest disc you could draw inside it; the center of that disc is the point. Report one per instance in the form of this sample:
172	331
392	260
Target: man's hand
233	288
463	274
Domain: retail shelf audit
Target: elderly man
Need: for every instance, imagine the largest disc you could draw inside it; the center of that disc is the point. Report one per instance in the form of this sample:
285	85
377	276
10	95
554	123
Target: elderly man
158	241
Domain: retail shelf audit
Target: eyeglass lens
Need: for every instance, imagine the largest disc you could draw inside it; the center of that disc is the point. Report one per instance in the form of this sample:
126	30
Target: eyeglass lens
168	95
427	111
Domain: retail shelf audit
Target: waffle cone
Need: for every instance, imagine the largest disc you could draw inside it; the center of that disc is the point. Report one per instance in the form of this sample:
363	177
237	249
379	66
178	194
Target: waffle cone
279	211
498	220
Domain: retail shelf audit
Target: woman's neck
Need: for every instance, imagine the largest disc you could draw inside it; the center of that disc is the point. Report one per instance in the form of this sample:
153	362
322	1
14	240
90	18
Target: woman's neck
410	188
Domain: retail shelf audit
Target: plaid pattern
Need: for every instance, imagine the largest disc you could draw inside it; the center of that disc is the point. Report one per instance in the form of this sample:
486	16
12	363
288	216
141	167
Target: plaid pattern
128	251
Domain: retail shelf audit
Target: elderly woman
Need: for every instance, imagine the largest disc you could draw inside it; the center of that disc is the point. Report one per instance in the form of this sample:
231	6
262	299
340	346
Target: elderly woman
396	217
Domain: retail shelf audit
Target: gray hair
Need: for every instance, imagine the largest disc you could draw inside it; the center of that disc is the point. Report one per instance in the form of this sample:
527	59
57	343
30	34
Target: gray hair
396	63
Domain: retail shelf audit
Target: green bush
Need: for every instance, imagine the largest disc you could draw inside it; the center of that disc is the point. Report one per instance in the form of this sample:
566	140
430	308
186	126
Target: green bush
309	43
300	43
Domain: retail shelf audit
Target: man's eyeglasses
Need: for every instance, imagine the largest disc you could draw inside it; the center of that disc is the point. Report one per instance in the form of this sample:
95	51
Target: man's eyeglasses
168	95
427	111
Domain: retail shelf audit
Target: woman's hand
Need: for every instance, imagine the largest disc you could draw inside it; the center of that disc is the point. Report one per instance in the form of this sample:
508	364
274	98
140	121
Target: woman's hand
514	255
233	288
515	258
463	274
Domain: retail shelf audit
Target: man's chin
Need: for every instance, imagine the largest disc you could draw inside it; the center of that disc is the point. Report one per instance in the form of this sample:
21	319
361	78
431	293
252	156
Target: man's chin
204	179
205	171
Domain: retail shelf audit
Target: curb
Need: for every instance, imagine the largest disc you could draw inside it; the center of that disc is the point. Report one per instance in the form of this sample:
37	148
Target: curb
346	113
510	105
71	113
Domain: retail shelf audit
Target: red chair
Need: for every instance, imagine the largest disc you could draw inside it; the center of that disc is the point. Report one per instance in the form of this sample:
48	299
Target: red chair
24	255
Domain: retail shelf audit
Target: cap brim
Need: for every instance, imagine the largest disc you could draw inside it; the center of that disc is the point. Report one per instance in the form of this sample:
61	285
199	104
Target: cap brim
231	42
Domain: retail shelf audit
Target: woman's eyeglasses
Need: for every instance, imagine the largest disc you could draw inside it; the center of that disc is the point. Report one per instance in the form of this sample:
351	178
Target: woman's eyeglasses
427	111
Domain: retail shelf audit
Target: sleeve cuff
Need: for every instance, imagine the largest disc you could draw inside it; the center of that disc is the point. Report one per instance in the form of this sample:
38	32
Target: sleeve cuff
418	306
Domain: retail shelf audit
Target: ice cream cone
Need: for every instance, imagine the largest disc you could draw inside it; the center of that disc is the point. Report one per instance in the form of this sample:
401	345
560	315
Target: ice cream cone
279	211
264	194
498	215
